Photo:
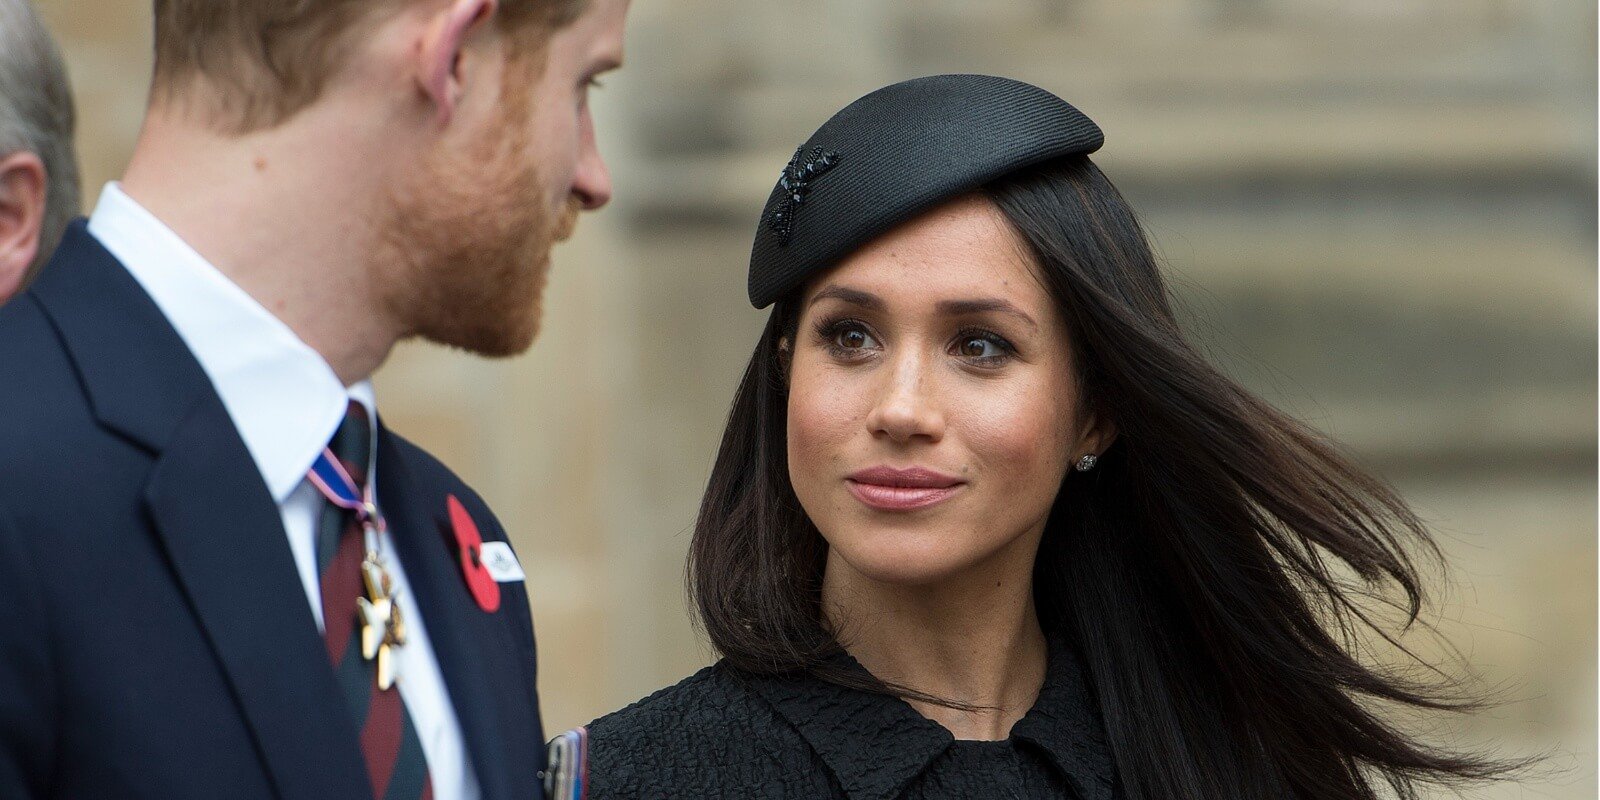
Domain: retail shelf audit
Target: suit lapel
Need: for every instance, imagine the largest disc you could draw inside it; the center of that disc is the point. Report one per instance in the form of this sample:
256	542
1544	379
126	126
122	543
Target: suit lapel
139	376
214	517
223	533
460	632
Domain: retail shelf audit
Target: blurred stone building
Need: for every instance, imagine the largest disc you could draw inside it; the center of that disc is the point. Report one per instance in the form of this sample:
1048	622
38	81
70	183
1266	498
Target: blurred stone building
1379	213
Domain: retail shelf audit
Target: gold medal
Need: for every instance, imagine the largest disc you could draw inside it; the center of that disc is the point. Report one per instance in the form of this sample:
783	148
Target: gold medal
374	622
385	667
382	629
382	625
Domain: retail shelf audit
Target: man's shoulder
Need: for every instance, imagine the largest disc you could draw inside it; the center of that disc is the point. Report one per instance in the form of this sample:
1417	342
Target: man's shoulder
62	471
424	464
42	402
427	470
25	329
84	345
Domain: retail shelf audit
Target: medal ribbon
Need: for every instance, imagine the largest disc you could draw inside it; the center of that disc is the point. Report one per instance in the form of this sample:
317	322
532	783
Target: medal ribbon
382	626
335	484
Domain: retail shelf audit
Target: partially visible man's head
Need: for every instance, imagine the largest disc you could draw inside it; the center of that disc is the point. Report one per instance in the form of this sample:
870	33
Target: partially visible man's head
38	167
474	222
260	61
490	151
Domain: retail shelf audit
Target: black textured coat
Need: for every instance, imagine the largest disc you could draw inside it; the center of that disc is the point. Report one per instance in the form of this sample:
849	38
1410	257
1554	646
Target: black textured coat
723	733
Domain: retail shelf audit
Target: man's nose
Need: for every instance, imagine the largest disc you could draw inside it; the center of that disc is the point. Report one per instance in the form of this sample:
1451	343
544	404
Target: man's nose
591	181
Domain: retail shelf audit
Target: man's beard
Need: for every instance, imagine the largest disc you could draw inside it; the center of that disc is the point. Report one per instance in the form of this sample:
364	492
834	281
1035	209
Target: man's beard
468	246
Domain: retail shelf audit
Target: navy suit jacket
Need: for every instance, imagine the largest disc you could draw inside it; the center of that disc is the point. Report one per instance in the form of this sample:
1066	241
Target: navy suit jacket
156	642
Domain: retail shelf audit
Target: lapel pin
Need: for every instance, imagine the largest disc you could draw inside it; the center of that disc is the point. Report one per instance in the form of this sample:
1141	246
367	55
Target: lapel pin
469	546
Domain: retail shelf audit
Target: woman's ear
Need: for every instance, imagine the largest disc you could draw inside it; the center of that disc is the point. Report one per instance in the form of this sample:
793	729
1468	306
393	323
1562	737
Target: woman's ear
785	357
1099	432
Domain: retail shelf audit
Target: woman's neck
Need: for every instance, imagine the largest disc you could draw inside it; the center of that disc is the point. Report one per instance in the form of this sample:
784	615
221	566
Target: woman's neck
975	639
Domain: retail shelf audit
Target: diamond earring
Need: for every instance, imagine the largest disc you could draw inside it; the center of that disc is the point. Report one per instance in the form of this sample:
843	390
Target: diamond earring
1087	462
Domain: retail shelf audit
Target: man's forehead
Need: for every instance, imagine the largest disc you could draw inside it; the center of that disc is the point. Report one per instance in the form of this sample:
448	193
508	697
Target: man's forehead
591	44
600	29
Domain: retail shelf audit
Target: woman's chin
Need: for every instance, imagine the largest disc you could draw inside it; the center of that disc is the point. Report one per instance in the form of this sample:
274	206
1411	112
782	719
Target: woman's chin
899	558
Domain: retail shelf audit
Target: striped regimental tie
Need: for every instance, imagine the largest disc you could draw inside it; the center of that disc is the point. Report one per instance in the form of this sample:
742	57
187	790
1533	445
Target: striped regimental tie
395	761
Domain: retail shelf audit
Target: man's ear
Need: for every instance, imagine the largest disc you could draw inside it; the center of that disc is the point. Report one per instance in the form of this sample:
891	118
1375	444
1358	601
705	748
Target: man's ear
23	186
439	56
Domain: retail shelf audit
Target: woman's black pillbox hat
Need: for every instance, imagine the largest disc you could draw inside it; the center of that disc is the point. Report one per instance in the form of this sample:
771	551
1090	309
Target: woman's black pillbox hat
896	153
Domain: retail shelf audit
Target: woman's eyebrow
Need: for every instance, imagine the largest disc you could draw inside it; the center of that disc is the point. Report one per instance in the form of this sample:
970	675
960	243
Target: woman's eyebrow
854	297
956	308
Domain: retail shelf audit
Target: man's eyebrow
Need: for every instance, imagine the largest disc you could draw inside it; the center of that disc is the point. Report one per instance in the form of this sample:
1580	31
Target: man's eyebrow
956	308
854	297
606	56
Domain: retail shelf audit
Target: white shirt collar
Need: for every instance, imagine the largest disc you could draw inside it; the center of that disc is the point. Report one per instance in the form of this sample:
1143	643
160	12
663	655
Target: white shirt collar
283	397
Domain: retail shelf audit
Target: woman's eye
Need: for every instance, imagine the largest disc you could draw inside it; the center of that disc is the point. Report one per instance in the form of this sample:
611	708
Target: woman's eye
847	339
853	339
984	348
974	347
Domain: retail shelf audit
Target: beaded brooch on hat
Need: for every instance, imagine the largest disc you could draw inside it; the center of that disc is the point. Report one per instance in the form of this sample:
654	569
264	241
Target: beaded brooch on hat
796	183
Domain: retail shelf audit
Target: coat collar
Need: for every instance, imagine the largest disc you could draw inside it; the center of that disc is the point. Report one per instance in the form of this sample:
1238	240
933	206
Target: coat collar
1066	724
140	378
841	724
282	395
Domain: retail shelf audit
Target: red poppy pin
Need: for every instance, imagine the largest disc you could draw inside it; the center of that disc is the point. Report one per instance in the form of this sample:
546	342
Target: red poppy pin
470	544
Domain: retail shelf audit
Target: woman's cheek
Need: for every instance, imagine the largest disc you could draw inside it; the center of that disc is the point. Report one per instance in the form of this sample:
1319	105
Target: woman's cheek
1020	438
820	414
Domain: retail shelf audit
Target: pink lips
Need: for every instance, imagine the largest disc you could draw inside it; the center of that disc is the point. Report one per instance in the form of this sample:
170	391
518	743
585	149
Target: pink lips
890	489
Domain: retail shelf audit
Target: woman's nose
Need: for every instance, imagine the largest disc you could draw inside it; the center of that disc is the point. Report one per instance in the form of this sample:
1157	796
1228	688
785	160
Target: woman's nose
907	407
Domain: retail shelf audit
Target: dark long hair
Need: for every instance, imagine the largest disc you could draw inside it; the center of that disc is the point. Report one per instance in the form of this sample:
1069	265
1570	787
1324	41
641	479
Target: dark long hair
1216	571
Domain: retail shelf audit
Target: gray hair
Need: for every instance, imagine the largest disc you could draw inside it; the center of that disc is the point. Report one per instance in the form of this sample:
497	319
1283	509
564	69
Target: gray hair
36	115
